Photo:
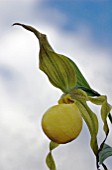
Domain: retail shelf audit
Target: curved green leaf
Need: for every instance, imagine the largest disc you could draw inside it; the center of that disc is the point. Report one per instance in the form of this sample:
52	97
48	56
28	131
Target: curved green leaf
49	159
105	153
59	69
81	81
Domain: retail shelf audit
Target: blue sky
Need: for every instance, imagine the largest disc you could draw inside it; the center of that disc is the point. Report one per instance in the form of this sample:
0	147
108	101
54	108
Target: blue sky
96	15
79	30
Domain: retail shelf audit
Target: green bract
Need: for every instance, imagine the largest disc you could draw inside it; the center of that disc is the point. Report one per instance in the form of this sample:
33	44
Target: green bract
59	69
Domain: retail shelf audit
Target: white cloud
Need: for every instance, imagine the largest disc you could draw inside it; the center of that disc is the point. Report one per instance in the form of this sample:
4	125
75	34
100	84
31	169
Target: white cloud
26	92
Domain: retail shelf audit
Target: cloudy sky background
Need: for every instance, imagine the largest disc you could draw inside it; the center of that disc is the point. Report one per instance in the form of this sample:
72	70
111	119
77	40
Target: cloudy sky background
81	31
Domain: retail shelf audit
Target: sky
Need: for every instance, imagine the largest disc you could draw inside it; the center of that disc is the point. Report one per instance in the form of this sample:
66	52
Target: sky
81	30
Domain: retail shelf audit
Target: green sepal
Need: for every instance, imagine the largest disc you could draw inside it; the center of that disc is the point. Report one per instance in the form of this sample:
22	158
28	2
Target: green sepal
49	159
92	122
93	93
97	100
105	109
78	94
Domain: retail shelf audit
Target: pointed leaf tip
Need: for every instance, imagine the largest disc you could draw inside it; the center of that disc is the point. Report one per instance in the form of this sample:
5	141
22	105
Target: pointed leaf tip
29	28
16	24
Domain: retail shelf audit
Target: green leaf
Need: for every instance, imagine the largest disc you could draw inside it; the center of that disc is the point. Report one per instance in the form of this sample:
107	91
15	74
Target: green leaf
59	69
105	153
81	81
49	159
105	109
92	123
